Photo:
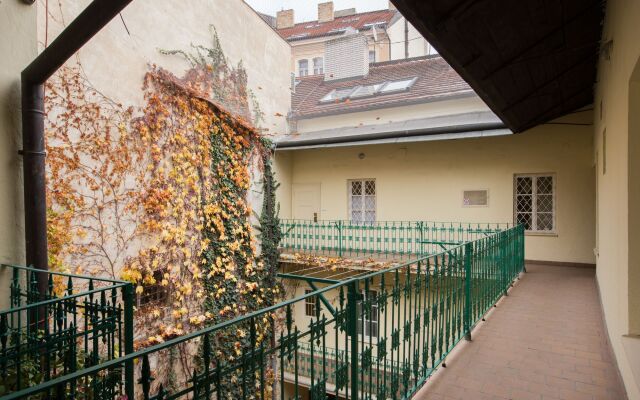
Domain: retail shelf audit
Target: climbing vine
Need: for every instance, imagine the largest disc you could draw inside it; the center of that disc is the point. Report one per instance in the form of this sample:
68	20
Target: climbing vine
158	195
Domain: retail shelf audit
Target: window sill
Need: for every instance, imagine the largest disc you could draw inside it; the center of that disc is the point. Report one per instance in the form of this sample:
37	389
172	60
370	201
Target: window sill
544	234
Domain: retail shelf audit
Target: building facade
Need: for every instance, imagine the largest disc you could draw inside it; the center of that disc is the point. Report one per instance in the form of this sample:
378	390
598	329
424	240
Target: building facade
388	34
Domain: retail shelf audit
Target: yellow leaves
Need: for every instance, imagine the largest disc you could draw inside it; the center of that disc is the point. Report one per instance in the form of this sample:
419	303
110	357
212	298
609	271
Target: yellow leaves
139	289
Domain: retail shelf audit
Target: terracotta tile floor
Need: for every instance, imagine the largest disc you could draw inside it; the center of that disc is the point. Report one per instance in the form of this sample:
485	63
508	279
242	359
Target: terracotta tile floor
546	340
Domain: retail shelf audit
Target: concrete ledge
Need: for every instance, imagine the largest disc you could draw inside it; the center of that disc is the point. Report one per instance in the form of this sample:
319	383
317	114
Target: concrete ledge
561	264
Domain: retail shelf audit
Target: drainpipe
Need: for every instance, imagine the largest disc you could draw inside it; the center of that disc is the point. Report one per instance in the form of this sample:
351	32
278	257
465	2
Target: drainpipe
84	27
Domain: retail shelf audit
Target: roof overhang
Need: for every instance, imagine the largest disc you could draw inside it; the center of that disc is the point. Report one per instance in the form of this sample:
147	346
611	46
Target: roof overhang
457	126
531	60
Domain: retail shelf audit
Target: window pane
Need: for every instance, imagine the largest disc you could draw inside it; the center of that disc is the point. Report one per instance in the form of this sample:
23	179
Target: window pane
370	203
544	185
397	85
356	203
524	185
363	91
370	187
545	221
524	203
525	219
544	203
370	216
356	187
356	216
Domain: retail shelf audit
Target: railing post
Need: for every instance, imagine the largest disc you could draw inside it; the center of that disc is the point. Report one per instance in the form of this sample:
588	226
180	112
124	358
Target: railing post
353	295
521	248
468	259
128	339
339	225
502	238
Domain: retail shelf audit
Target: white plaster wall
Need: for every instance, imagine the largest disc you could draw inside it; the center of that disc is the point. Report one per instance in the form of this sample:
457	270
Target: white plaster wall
418	46
18	48
115	61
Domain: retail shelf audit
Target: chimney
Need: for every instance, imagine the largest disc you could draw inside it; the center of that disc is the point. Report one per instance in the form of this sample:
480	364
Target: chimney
344	13
284	19
325	12
346	57
392	6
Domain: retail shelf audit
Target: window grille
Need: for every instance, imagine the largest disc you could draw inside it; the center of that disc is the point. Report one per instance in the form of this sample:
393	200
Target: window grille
368	318
362	201
310	304
534	202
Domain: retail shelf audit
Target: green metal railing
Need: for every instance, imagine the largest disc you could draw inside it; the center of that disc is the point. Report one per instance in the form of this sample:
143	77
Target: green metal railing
75	322
386	239
382	345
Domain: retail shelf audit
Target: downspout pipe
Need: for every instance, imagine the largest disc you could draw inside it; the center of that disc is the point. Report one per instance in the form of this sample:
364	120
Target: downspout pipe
80	31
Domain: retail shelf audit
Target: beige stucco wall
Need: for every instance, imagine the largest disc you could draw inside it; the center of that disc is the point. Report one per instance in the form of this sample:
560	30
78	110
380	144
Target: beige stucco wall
418	46
283	169
467	104
18	48
115	61
309	49
425	181
618	262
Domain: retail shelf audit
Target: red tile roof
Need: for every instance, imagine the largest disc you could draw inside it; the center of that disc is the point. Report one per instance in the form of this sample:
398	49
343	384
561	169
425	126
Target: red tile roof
436	80
312	29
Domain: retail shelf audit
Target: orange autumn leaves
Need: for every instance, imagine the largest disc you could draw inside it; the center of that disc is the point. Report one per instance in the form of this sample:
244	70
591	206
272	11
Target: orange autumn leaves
140	198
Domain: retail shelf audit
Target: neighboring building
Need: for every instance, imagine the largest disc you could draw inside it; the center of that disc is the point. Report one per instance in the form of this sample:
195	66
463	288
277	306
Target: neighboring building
389	36
390	126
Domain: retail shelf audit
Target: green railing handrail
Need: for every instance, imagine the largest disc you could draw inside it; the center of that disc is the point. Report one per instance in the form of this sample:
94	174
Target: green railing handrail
65	274
77	321
382	238
501	251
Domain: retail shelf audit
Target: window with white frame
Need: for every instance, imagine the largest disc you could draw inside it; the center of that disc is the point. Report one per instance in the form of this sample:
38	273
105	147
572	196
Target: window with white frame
362	201
309	304
303	67
368	323
372	56
534	202
318	65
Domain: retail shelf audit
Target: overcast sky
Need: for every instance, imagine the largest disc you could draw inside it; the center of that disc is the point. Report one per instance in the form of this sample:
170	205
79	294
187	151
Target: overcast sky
307	10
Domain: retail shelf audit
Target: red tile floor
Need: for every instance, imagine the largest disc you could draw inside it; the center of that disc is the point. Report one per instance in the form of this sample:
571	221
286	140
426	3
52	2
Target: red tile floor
545	341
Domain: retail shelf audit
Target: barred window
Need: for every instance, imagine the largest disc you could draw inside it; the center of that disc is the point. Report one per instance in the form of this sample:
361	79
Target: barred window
368	319
362	201
534	203
310	304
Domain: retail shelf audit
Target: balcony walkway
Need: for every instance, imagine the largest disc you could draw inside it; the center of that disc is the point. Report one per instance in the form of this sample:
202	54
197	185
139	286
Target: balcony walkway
545	341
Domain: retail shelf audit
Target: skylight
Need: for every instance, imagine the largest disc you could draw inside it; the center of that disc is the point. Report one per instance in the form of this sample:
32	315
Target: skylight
395	86
382	88
369	90
337	95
